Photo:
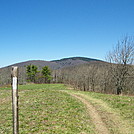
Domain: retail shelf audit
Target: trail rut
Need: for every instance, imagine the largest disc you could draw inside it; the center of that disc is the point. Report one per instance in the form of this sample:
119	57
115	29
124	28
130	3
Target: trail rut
96	119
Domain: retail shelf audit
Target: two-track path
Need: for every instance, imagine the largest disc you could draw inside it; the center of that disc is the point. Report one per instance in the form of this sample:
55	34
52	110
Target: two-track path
96	119
104	118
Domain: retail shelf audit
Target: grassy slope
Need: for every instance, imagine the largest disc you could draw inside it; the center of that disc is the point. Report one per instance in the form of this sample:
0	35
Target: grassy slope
44	110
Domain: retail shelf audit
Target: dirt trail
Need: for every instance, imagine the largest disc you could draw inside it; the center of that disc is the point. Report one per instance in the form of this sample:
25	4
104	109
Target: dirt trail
106	120
112	118
96	119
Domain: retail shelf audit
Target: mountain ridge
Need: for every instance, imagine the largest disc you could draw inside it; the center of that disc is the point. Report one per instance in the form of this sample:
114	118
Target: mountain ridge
57	64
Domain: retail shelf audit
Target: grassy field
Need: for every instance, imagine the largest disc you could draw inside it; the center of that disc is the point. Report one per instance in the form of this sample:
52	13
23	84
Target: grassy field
52	109
42	109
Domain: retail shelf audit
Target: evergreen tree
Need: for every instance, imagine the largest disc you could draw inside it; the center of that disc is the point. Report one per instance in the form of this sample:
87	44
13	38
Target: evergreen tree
46	72
31	71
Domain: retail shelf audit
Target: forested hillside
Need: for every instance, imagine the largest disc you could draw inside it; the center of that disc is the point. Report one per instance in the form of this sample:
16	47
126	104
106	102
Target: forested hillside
5	72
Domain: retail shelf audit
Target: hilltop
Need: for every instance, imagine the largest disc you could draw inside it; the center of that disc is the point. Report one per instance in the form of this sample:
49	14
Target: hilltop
74	61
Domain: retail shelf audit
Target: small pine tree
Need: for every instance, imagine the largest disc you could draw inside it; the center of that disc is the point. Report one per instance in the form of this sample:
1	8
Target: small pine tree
31	71
46	72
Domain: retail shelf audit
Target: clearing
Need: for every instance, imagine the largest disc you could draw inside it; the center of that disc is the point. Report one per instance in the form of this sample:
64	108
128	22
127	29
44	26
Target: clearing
55	109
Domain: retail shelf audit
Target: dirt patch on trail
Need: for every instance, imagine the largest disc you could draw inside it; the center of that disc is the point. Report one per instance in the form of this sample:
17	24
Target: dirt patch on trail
96	119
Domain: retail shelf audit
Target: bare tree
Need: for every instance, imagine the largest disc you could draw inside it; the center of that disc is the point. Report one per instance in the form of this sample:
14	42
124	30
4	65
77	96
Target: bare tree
121	59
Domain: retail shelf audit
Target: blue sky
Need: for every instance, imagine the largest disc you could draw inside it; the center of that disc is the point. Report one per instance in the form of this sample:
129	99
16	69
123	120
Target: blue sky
55	29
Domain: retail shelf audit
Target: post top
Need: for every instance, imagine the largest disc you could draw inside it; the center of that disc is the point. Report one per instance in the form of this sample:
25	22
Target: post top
14	72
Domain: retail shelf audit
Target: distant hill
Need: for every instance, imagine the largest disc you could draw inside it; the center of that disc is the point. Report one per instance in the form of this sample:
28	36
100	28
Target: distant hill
74	61
5	72
57	64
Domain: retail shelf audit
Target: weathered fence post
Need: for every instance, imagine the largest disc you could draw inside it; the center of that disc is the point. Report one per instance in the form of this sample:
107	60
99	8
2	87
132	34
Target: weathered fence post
14	76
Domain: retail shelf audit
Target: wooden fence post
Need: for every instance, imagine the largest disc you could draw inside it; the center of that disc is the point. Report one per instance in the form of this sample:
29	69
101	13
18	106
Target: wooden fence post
14	76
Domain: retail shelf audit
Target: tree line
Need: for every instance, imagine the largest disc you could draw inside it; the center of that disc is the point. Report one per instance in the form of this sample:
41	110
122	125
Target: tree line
116	76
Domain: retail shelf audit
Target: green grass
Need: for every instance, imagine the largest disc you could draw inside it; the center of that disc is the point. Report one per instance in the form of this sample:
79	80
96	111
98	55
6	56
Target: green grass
43	109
